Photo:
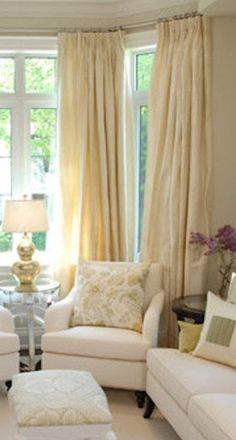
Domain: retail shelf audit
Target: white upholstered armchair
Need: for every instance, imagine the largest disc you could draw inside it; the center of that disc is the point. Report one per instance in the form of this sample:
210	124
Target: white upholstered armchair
9	346
115	356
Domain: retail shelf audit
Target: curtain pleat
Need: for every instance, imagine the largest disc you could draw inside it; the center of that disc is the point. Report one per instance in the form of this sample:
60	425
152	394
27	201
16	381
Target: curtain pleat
177	188
95	187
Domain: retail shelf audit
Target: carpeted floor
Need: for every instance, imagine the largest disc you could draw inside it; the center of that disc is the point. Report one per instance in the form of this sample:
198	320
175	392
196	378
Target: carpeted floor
128	423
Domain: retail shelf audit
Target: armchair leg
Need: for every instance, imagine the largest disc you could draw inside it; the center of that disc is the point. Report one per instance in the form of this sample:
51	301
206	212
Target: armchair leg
8	384
149	407
140	398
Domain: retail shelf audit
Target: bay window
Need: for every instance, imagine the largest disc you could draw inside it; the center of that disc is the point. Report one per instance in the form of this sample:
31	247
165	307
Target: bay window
27	130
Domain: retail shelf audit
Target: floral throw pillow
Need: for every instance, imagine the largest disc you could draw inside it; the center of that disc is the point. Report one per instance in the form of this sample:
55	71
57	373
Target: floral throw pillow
110	298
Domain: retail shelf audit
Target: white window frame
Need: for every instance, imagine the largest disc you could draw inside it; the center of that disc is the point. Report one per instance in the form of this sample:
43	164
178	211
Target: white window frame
20	105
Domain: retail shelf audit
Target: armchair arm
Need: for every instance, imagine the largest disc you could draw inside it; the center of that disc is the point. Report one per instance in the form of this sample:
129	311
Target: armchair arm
152	318
57	316
6	321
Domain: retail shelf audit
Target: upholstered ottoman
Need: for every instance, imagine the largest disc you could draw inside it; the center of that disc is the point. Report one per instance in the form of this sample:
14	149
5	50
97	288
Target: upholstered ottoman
59	404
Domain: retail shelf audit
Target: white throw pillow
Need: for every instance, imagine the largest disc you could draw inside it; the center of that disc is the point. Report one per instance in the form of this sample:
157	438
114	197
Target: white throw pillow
232	289
218	338
109	297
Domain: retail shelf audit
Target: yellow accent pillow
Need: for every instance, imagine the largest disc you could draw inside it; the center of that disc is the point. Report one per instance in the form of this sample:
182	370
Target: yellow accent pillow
189	336
109	297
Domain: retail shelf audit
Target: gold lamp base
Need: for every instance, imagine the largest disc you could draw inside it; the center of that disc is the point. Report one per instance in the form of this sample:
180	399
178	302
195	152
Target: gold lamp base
25	271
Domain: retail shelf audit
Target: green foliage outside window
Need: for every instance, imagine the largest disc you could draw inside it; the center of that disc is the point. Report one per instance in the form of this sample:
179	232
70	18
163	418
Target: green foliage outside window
39	239
40	74
7	75
5	132
43	133
5	242
5	152
144	63
143	117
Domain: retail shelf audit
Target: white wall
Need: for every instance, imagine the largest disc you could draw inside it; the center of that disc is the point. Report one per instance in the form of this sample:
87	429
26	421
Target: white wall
223	126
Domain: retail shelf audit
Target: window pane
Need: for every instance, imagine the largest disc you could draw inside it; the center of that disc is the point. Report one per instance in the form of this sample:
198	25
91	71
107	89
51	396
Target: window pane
5	239
43	131
143	70
40	75
39	239
5	132
143	120
7	75
5	176
43	139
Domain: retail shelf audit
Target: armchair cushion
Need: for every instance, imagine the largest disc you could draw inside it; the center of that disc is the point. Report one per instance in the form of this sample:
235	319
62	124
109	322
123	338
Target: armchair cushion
110	297
9	343
99	342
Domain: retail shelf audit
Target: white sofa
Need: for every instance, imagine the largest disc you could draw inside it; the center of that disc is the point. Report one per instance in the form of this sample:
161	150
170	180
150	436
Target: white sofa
9	346
116	357
197	397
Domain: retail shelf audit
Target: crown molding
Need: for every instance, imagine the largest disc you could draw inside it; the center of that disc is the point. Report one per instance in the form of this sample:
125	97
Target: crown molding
107	9
52	16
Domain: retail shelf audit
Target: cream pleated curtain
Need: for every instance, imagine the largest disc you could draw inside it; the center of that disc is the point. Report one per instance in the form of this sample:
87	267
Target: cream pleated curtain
95	152
179	160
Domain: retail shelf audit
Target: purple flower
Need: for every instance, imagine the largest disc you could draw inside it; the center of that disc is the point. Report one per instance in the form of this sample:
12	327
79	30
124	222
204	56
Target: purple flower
210	242
224	239
227	237
222	243
198	238
212	246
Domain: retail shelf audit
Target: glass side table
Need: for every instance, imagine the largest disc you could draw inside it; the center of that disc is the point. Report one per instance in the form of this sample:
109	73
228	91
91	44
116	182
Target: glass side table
29	306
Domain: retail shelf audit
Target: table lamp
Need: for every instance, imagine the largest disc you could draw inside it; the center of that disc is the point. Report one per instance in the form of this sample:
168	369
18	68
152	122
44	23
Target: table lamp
25	215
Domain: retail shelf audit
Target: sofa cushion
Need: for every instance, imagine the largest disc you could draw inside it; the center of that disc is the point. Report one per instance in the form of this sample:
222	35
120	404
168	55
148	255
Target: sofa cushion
9	343
101	342
183	375
110	297
214	415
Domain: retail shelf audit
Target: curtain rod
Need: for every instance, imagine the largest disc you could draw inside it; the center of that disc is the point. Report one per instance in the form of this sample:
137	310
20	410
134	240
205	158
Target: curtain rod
137	25
160	20
127	27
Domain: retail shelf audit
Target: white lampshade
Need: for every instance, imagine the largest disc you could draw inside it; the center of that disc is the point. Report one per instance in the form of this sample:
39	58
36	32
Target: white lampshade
25	216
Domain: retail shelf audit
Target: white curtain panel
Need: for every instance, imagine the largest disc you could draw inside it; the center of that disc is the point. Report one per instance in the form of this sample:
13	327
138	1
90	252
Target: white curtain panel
95	152
177	190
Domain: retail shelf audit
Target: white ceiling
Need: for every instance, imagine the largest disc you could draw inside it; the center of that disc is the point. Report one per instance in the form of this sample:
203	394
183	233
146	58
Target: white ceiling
62	14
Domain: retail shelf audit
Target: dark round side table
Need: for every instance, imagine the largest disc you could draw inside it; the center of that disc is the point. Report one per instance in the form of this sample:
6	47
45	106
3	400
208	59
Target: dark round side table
190	308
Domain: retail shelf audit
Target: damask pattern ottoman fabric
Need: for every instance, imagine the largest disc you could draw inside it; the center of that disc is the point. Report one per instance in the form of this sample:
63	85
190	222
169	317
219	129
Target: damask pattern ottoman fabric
58	397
